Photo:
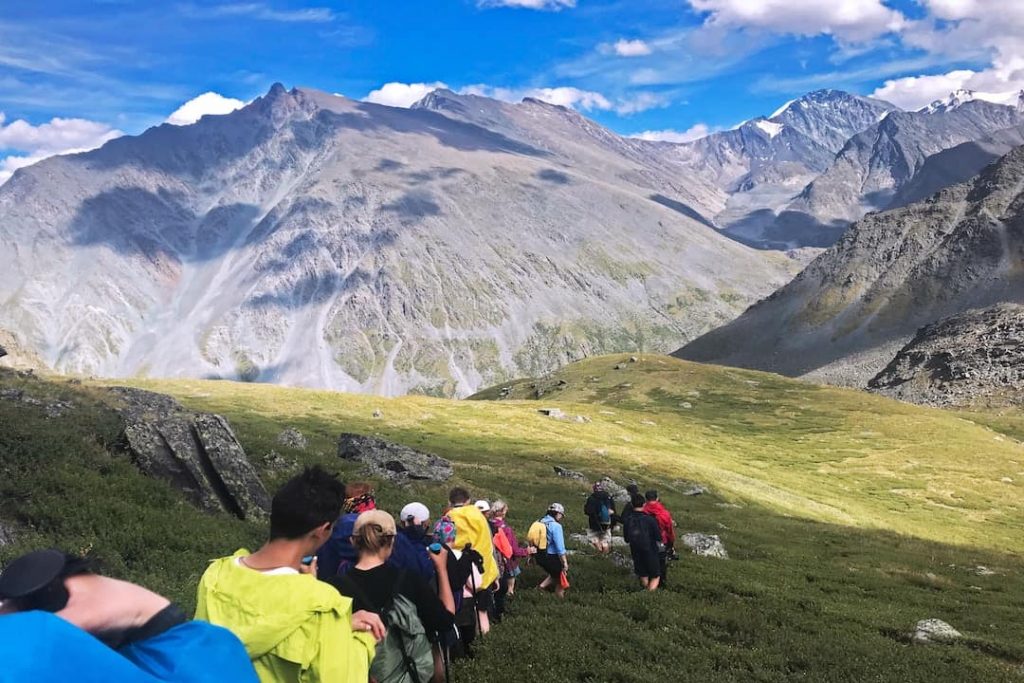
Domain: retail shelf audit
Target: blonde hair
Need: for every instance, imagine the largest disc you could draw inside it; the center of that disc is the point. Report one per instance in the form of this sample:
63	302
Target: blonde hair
372	539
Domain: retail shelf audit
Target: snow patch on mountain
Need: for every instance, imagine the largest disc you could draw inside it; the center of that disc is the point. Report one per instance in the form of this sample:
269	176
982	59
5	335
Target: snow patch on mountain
770	128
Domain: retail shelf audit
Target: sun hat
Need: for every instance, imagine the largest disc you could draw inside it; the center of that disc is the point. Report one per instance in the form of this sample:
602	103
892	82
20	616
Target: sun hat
417	512
483	506
556	507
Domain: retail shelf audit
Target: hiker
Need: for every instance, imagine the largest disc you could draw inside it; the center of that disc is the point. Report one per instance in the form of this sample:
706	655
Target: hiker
644	537
473	529
337	555
294	627
515	552
411	544
465	574
552	558
416	618
654	507
632	491
600	511
59	620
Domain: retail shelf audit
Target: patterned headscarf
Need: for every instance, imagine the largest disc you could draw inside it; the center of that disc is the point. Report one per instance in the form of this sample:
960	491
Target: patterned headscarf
360	504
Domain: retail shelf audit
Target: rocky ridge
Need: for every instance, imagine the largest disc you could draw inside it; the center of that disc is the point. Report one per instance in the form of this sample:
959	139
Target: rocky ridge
975	357
851	310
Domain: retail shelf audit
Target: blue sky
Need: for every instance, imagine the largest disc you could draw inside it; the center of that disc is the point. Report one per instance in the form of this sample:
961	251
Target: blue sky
682	66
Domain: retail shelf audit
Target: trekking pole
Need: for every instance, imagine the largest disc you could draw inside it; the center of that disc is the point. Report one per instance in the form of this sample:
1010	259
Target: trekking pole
446	660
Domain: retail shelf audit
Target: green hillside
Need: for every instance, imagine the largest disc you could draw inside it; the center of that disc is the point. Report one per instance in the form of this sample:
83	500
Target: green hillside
847	517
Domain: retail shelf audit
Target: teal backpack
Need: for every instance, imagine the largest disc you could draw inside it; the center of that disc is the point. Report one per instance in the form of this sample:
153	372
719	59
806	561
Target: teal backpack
405	655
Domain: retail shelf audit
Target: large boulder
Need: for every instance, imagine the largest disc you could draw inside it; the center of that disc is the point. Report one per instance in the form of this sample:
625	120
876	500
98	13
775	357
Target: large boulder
393	461
197	453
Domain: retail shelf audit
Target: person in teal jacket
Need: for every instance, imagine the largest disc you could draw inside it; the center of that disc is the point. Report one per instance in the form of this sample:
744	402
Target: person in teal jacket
295	628
60	621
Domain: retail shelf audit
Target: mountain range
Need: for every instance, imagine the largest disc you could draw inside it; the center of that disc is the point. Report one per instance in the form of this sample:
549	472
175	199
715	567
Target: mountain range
309	239
845	317
799	177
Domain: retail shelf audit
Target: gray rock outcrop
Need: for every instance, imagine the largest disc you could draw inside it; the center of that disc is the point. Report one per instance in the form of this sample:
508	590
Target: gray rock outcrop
196	453
3	352
293	438
930	631
963	360
392	461
7	535
705	545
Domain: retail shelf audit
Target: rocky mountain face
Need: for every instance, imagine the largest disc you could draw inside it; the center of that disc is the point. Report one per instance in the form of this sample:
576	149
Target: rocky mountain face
872	167
764	163
975	357
848	313
313	240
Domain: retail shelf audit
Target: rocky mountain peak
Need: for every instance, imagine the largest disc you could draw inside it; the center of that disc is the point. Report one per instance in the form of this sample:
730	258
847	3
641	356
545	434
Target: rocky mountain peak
955	99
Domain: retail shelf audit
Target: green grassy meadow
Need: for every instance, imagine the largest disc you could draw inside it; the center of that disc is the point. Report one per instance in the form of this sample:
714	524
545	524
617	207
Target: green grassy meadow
847	517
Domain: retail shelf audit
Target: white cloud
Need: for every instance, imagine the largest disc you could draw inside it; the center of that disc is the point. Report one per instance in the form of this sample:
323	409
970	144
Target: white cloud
631	48
974	30
574	98
402	94
694	132
58	136
639	102
562	96
200	106
261	11
846	20
552	5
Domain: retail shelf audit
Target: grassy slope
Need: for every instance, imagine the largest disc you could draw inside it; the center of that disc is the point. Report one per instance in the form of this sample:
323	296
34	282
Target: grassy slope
803	597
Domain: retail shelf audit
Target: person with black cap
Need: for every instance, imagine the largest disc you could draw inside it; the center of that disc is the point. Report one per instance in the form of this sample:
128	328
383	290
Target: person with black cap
51	602
656	509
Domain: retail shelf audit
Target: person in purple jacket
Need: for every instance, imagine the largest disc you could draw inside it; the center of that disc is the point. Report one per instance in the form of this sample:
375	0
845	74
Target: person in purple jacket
507	583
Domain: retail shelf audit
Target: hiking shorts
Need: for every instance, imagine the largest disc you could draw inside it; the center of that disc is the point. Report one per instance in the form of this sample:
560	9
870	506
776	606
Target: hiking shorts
602	536
552	564
646	563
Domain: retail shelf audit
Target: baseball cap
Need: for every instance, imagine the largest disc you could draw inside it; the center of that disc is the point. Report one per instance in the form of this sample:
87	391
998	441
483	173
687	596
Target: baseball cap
483	506
418	512
556	507
382	519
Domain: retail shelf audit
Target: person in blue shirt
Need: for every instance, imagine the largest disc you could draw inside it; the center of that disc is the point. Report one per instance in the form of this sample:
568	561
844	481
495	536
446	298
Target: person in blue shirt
410	550
554	559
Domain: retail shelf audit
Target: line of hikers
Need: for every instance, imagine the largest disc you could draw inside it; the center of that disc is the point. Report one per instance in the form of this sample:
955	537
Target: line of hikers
393	602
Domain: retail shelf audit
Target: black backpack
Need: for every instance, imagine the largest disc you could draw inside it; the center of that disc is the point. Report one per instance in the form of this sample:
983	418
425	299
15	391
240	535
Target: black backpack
636	531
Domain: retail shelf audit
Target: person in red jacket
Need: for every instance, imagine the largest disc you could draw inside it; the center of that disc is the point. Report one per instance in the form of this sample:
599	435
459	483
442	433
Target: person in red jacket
655	509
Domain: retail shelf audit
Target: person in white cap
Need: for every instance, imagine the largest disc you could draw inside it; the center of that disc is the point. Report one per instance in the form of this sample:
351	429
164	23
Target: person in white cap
554	559
411	551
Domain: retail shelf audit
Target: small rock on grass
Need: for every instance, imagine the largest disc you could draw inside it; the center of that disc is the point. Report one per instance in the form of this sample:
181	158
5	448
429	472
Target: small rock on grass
292	438
705	545
935	631
553	413
569	474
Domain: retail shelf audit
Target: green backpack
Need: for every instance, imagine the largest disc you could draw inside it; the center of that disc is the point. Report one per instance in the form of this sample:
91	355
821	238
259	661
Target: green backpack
405	655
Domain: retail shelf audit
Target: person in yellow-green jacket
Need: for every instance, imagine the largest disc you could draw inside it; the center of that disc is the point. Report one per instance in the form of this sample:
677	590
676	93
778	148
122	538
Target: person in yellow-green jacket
295	628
